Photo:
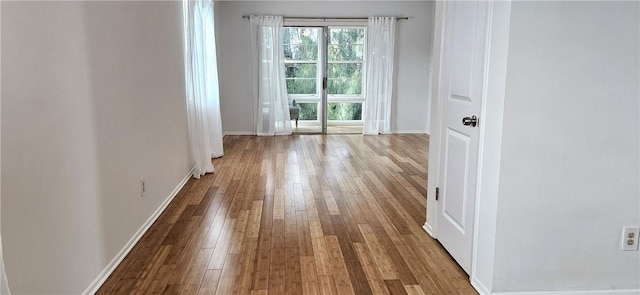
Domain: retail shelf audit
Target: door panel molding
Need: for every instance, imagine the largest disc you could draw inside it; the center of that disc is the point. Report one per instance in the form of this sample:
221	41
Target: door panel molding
456	213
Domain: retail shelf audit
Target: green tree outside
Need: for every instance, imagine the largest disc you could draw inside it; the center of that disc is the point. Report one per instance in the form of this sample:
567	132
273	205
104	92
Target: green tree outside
345	45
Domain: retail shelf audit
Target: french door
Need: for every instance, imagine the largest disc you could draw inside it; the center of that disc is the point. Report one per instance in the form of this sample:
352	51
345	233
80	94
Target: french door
325	69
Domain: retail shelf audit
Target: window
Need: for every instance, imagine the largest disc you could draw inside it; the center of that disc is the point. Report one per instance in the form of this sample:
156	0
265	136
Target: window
345	66
344	111
345	54
301	53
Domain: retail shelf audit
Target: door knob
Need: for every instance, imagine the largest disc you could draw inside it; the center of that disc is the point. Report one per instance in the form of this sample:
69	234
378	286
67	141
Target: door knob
473	121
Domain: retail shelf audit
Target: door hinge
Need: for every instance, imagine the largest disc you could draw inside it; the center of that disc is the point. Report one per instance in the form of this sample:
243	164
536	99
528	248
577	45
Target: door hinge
324	83
437	193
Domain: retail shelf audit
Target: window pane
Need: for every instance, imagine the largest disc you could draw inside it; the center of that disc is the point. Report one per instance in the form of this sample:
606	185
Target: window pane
344	86
348	71
344	111
300	52
346	36
301	85
344	78
308	111
300	70
345	52
298	35
301	43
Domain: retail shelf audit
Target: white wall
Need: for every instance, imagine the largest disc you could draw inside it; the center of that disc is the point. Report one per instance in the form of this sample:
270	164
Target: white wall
570	153
413	41
92	101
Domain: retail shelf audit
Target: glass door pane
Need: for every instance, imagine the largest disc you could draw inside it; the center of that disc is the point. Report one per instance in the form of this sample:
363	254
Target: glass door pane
346	61
325	72
303	51
344	111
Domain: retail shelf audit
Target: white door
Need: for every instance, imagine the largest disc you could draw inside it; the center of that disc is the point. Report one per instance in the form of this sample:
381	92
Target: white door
462	89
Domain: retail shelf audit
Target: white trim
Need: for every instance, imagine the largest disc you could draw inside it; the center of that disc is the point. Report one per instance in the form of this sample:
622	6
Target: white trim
482	137
345	61
576	292
304	98
106	272
316	123
301	124
408	132
356	123
337	98
483	290
479	286
427	227
489	154
430	229
436	116
310	123
239	133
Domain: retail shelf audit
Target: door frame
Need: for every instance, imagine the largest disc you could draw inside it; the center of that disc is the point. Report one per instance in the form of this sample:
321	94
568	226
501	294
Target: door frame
490	139
324	26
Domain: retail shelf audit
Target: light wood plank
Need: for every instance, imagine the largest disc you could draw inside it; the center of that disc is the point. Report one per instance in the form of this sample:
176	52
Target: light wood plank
309	276
380	256
341	274
316	214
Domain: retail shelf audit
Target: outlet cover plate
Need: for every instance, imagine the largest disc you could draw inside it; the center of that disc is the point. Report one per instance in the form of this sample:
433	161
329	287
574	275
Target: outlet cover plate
630	238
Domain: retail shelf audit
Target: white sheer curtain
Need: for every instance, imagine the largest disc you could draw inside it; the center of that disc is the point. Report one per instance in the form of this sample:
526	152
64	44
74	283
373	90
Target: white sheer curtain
203	96
270	91
380	57
4	285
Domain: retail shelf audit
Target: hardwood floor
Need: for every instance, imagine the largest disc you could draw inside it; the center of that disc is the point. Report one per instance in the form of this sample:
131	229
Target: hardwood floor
301	214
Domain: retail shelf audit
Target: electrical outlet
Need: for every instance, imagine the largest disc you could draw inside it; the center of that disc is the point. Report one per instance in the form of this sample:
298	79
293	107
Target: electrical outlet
630	238
143	187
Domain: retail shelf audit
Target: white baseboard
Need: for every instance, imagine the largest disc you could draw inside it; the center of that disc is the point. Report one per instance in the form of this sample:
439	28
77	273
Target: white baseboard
239	133
408	132
392	132
102	277
581	292
483	290
427	227
479	286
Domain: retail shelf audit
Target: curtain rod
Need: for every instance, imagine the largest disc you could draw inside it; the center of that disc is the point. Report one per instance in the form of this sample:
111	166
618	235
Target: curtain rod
327	18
